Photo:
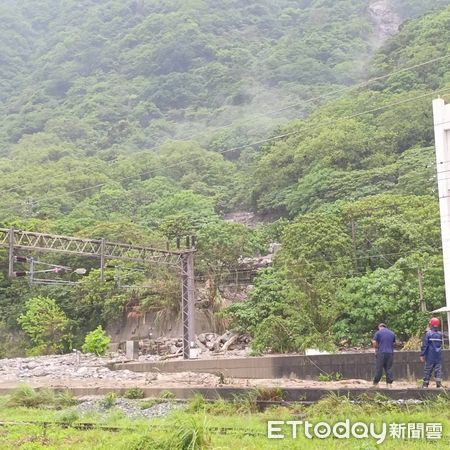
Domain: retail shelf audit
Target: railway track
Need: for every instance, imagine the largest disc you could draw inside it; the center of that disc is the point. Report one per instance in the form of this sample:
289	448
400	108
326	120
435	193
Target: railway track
87	426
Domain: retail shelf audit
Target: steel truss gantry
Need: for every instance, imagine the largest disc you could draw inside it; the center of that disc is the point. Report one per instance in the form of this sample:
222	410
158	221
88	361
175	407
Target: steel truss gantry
103	250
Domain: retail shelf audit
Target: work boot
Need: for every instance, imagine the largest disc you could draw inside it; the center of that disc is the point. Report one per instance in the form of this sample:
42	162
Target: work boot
439	384
374	385
425	385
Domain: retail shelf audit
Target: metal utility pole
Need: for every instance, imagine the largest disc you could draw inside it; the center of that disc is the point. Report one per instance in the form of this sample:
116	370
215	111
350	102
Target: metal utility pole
441	114
10	252
355	259
187	305
102	260
31	274
423	306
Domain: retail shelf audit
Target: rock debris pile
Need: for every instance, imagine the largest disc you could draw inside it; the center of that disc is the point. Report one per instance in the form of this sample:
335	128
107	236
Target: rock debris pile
91	371
130	408
73	366
208	344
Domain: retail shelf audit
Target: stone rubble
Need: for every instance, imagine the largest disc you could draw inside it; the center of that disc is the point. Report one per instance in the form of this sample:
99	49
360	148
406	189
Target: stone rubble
130	408
209	344
79	371
74	366
90	371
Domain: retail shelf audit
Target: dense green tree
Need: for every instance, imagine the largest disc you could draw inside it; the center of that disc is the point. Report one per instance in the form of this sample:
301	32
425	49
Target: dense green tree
142	122
45	324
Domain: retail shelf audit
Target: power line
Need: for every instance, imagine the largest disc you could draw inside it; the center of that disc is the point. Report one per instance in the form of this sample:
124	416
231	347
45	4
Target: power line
232	272
263	141
364	83
343	274
322	96
82	169
319	97
328	94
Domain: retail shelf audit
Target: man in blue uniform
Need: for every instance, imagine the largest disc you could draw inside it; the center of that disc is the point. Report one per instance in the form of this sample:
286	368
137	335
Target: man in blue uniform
383	342
431	353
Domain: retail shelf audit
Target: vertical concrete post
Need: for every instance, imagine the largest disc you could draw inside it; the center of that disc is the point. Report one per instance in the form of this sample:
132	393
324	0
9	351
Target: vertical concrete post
132	350
441	115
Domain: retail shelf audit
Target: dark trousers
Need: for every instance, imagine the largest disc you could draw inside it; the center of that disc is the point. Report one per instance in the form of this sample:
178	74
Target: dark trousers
429	369
384	362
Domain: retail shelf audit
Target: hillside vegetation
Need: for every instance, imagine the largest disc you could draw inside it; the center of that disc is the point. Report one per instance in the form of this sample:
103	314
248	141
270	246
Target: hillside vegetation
126	75
91	92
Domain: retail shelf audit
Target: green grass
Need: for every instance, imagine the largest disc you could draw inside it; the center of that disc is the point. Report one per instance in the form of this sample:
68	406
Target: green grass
199	425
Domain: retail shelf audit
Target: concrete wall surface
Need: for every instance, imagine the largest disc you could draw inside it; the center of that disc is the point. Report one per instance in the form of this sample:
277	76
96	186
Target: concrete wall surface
350	365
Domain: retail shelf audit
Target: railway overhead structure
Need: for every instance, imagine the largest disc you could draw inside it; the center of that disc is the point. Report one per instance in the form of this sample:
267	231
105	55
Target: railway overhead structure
180	260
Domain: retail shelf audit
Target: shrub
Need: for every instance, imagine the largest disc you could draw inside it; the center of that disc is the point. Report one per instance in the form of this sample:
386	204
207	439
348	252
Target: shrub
69	417
246	403
64	399
277	334
333	376
270	394
25	395
221	407
96	342
45	324
168	395
196	404
109	400
134	393
148	442
147	404
191	434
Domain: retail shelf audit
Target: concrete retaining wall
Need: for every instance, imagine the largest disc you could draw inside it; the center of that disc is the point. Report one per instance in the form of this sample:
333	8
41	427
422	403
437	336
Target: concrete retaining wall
350	365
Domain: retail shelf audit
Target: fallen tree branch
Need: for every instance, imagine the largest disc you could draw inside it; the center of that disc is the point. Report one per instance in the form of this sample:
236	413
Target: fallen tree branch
230	342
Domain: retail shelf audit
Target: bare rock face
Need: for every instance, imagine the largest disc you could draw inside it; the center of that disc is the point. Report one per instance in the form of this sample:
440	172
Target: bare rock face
385	18
244	217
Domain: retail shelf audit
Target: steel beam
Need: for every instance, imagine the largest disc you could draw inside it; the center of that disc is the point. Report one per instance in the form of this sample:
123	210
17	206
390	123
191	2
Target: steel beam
28	240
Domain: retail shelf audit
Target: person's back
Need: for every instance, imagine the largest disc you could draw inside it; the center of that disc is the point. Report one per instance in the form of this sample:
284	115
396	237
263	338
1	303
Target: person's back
431	353
432	346
385	339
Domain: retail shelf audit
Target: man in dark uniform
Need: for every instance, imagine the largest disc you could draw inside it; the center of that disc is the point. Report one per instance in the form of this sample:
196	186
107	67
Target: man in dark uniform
431	353
383	342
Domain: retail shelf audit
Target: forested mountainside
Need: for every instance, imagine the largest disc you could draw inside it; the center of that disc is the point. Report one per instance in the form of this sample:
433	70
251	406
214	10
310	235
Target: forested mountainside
340	152
125	75
91	89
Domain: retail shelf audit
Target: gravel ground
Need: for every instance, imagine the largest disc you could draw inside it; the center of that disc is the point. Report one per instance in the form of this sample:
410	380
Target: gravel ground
130	408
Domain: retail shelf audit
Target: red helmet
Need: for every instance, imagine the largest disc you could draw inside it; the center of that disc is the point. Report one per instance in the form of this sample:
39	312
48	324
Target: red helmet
434	322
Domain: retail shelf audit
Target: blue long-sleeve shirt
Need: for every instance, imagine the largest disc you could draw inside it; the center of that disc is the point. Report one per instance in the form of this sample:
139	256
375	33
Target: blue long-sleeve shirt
385	339
432	347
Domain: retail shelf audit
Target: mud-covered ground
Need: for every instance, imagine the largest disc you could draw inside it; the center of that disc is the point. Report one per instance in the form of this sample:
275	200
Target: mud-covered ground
79	370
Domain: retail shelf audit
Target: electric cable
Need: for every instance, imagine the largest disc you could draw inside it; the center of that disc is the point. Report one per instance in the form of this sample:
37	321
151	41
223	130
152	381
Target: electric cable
260	142
353	87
